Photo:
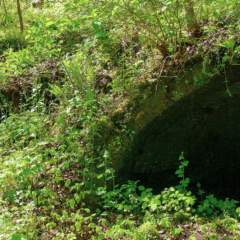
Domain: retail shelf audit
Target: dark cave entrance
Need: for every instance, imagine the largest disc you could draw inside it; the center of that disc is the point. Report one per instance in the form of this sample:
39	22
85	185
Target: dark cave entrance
206	126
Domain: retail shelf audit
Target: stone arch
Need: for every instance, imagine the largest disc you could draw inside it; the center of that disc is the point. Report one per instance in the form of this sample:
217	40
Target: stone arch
205	124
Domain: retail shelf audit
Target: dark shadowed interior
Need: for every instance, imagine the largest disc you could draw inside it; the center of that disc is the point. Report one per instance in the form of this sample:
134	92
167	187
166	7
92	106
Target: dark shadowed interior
206	127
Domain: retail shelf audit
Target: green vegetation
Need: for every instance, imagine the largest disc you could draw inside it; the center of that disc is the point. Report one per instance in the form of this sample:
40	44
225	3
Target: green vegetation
73	76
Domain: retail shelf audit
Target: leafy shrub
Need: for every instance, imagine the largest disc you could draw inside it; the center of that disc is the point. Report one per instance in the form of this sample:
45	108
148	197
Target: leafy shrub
175	201
180	173
125	198
131	198
211	206
12	40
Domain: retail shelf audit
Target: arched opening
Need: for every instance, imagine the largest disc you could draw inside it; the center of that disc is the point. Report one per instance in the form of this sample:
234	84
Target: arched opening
206	127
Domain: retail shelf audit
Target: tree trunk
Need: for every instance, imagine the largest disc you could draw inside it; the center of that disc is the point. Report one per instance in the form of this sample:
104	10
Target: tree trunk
192	23
19	10
4	7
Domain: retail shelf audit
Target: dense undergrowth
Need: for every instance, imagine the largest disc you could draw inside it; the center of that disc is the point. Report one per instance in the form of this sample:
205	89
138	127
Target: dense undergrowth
69	86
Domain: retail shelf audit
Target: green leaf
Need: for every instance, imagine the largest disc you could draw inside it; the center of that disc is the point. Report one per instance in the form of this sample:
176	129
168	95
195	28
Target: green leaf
17	237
